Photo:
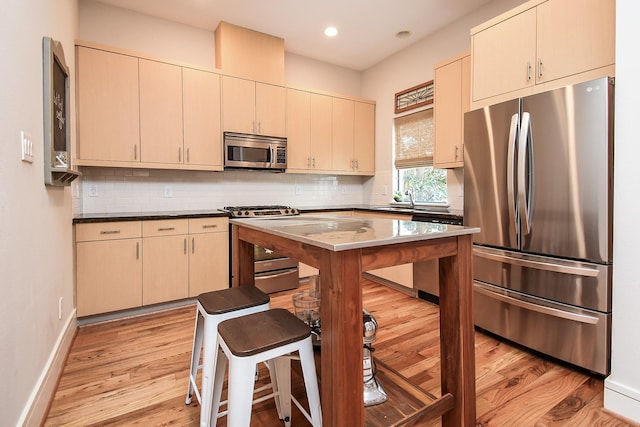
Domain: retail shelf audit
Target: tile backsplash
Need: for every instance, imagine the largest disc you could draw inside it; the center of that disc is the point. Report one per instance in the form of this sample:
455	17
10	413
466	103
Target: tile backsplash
108	190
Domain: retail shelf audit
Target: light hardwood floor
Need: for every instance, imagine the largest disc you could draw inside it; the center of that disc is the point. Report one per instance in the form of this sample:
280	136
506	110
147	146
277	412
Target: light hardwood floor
134	372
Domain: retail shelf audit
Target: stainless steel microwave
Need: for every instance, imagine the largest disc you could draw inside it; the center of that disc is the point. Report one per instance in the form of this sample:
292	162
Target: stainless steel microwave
254	152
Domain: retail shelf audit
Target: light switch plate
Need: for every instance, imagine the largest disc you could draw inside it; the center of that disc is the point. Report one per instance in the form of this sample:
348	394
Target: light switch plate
26	147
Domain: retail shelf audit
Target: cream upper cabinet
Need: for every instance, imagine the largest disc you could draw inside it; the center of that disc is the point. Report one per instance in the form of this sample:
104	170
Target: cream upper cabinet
575	36
298	130
108	106
353	137
451	100
108	266
504	56
208	248
201	107
161	134
342	134
540	45
253	107
364	138
321	107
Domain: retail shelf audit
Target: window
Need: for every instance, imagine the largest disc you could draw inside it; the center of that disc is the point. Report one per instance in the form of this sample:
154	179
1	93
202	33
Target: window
413	159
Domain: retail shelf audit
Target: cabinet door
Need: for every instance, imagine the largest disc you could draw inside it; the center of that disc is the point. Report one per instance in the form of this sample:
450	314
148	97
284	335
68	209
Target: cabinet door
364	138
108	275
160	112
108	108
201	105
165	269
238	105
504	56
298	129
342	135
271	106
574	36
208	262
321	118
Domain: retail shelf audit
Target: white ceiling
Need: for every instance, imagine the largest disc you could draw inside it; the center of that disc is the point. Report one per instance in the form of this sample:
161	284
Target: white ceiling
367	27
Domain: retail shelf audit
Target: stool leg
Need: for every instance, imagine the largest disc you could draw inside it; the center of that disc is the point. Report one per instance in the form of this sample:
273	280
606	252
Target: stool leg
311	381
195	355
240	389
218	385
274	385
283	382
208	369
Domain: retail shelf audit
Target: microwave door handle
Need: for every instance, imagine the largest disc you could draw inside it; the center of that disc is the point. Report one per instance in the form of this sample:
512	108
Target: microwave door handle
525	152
511	148
272	160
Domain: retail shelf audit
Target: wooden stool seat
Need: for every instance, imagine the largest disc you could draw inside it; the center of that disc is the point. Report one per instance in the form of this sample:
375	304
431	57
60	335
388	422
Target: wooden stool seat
272	336
259	332
226	300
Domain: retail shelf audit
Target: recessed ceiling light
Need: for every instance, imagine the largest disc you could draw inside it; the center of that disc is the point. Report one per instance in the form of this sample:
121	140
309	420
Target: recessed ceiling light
331	31
404	34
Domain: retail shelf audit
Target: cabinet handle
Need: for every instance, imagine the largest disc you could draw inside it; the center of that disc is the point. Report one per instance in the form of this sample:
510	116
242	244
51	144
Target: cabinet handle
357	166
166	228
137	250
188	155
456	155
193	245
539	67
528	70
253	126
308	162
314	163
185	245
109	231
135	151
179	154
210	226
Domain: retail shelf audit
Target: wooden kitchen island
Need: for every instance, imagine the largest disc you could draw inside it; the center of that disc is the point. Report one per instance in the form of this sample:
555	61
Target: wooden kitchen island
341	248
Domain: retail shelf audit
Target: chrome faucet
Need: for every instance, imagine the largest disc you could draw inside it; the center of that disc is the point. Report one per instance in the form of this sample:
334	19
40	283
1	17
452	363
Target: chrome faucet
412	203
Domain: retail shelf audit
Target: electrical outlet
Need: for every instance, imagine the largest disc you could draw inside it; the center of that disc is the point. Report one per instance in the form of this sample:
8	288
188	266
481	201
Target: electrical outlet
298	190
93	190
60	308
385	189
26	147
344	189
168	191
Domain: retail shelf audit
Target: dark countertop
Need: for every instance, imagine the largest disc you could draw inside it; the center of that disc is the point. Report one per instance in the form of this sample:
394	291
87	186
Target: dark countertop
137	216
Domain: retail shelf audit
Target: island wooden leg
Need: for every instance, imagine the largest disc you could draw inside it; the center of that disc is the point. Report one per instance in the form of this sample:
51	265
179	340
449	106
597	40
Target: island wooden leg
341	355
457	353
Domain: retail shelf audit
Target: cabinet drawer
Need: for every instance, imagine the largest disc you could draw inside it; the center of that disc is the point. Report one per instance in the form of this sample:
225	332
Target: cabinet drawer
108	231
208	225
165	227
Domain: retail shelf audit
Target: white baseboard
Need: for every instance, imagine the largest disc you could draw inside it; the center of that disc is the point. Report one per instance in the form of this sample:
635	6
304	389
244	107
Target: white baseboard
622	400
36	408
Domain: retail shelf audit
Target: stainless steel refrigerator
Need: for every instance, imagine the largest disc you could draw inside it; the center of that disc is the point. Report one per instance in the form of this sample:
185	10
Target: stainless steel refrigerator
538	181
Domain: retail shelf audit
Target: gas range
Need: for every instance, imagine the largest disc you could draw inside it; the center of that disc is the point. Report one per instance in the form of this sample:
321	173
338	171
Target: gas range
260	211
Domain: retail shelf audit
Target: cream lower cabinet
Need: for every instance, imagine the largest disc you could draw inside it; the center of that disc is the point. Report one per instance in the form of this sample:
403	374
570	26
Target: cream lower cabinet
165	261
452	99
208	255
108	267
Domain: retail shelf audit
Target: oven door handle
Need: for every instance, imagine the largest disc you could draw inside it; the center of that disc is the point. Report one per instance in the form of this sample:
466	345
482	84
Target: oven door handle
276	275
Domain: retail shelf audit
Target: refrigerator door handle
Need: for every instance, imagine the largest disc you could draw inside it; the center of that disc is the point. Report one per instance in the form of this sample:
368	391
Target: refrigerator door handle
511	150
546	266
525	152
576	317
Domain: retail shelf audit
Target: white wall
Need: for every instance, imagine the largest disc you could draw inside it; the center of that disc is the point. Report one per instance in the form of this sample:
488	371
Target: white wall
36	258
412	66
622	387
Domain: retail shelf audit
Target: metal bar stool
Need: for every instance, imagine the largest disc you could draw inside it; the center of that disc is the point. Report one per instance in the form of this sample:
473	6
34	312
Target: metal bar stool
211	309
249	340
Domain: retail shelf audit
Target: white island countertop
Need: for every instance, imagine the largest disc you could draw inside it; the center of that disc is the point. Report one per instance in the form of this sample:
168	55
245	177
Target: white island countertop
344	233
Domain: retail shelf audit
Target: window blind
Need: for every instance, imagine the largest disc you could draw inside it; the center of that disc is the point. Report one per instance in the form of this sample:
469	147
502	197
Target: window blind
414	140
